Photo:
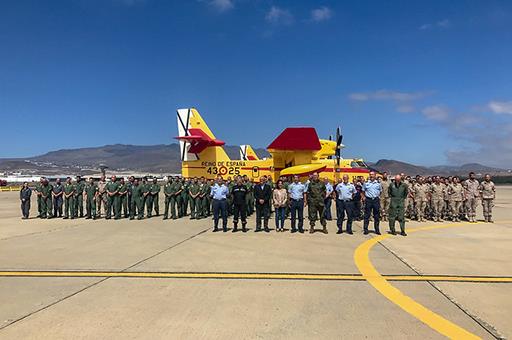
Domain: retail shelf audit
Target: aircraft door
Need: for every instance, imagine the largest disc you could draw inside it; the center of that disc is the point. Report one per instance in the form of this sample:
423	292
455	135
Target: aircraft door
255	172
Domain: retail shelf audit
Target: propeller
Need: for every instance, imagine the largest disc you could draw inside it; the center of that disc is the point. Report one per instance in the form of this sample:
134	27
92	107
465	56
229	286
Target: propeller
339	139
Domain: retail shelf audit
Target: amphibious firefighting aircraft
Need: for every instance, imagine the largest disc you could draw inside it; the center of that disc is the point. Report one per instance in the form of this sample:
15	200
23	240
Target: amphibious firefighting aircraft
296	151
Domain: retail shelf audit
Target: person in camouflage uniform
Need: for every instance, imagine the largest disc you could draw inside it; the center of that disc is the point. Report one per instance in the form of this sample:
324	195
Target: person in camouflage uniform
90	193
456	194
488	194
437	193
46	199
447	214
472	193
315	201
69	199
112	190
123	198
409	200
421	195
101	198
384	196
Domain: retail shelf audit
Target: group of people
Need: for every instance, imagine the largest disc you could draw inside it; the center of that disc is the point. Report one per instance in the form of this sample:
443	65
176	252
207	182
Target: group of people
443	198
376	198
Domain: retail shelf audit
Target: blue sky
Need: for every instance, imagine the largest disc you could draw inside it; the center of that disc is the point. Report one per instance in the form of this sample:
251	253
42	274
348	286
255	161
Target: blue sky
427	82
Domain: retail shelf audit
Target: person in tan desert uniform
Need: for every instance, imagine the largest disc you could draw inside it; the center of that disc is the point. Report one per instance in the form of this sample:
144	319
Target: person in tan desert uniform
488	194
437	193
384	196
472	193
456	197
102	196
421	195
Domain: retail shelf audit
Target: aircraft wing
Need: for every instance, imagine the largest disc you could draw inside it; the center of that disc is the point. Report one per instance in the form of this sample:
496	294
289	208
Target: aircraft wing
296	138
303	169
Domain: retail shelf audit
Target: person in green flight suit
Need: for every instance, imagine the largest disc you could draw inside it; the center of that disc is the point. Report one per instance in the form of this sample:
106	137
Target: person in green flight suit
145	192
137	200
46	199
203	200
168	193
79	197
176	200
398	192
39	199
249	198
129	186
230	184
184	197
123	198
193	191
209	198
91	194
315	200
69	199
112	189
152	198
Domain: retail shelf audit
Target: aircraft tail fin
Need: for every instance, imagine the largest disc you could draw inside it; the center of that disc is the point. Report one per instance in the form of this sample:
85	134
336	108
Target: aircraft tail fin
196	139
247	153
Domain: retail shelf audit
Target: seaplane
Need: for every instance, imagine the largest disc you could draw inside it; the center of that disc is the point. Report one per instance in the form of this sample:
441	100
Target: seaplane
296	151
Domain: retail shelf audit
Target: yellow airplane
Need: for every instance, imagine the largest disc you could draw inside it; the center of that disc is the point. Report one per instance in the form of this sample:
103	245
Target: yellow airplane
296	151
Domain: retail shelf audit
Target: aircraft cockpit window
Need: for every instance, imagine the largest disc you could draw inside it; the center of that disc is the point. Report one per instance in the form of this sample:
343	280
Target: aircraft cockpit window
358	164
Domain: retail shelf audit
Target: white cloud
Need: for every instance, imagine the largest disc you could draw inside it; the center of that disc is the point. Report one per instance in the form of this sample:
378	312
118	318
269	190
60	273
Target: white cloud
222	5
277	15
405	108
403	101
487	140
436	112
321	14
388	95
441	24
500	107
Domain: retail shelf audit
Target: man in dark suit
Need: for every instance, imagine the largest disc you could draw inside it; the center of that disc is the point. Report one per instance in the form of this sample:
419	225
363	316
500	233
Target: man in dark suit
262	195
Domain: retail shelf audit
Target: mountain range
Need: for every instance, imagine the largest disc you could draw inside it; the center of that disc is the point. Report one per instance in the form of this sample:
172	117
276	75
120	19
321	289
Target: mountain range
165	159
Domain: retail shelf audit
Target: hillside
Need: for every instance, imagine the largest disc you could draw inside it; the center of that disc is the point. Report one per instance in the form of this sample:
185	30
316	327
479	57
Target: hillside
152	159
165	159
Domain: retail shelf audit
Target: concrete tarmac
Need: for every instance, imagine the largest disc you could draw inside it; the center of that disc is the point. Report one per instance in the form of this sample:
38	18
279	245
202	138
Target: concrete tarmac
249	294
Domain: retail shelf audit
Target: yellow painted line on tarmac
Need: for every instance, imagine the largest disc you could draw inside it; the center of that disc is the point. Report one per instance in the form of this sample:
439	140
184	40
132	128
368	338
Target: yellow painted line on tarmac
381	284
256	276
185	275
